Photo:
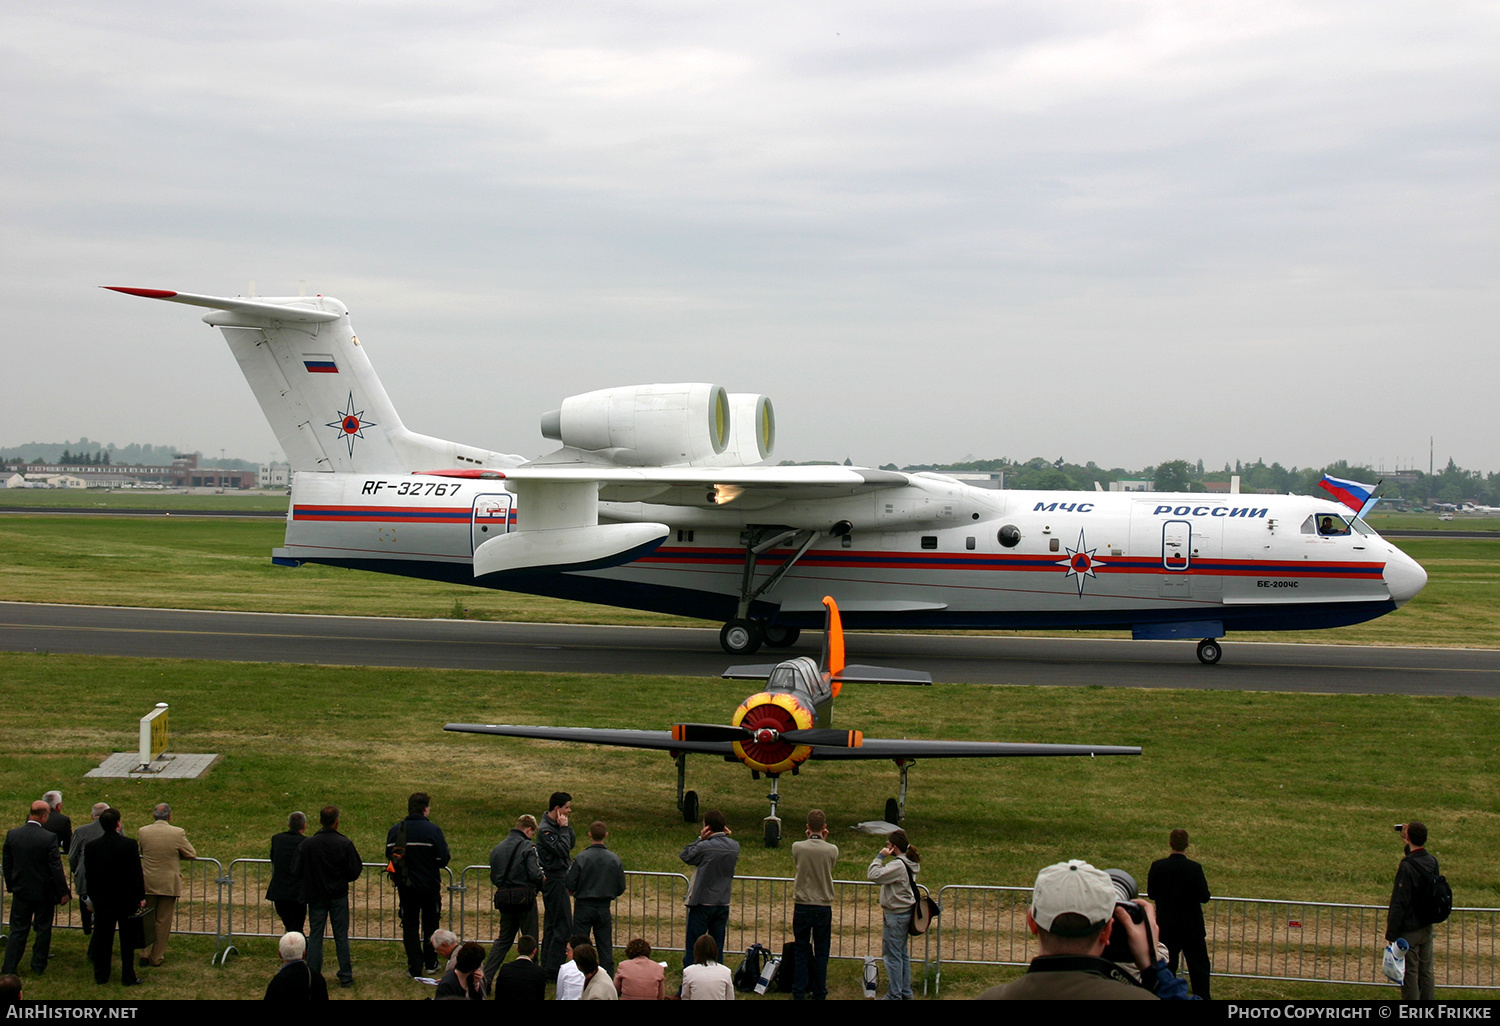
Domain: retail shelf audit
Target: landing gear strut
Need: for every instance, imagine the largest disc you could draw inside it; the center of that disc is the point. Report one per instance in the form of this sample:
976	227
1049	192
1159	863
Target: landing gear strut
742	635
687	801
1209	651
895	809
772	822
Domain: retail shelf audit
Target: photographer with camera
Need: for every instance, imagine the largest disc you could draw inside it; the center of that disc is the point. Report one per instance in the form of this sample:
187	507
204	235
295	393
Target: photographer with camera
1075	911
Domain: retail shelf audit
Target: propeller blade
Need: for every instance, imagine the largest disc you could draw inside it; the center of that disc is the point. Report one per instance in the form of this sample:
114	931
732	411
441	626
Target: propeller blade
708	732
833	642
825	738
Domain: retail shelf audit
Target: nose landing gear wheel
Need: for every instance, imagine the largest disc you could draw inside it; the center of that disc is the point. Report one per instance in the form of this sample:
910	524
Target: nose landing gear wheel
773	832
892	811
690	807
740	637
1209	651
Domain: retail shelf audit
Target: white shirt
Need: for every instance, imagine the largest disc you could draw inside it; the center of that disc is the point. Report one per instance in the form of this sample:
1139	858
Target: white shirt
569	982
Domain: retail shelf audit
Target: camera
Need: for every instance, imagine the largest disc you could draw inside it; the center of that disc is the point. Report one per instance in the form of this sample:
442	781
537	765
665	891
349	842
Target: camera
1118	949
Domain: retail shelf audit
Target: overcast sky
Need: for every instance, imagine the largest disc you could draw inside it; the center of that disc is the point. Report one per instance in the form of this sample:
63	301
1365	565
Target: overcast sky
1125	232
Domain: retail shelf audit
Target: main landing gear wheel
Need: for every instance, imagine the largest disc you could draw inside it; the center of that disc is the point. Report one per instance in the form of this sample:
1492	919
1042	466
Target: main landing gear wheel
782	637
690	807
1209	651
740	637
892	811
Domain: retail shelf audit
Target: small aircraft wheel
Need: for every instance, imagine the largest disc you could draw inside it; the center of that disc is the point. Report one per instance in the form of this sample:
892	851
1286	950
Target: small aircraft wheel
1209	651
773	834
892	811
782	637
740	637
690	807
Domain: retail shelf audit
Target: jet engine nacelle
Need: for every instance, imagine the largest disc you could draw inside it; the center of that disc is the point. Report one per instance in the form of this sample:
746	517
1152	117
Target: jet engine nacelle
691	424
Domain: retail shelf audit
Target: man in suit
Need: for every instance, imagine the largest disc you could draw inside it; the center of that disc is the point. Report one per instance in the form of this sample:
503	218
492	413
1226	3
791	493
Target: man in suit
296	981
60	826
522	979
284	890
1177	885
163	847
90	831
112	865
32	868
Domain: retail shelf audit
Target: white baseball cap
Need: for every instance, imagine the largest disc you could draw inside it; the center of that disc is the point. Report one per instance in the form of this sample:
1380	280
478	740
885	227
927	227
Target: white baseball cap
1075	887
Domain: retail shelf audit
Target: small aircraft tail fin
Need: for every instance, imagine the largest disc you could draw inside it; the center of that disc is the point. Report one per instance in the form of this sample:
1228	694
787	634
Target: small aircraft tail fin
317	387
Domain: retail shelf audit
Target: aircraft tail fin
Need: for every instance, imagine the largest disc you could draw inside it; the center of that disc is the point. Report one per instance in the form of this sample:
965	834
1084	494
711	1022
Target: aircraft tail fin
832	662
318	389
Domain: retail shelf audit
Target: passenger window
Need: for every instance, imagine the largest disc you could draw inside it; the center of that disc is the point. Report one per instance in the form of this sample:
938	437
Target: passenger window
968	543
929	541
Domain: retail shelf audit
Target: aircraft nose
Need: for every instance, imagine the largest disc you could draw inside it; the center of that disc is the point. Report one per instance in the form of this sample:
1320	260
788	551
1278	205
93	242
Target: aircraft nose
1404	577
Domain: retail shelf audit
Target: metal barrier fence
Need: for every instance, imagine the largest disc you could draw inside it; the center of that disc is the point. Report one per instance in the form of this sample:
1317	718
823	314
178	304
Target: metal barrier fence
1320	942
1270	939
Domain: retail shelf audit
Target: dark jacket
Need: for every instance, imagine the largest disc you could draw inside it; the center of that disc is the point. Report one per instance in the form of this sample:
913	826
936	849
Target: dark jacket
84	835
1177	885
32	864
324	864
112	863
62	828
1413	876
297	982
521	980
426	854
596	875
284	886
554	846
514	872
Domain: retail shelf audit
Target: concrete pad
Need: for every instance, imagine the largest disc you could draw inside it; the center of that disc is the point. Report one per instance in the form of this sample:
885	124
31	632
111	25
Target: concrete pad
174	766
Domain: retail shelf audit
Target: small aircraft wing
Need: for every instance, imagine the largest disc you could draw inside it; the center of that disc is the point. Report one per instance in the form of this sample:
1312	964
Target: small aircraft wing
660	740
892	748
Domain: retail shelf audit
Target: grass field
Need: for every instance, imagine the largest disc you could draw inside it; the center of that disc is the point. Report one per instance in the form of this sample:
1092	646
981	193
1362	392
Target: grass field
133	498
204	563
1286	795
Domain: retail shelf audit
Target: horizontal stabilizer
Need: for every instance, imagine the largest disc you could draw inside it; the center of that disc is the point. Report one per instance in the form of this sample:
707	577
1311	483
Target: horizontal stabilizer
881	675
758	671
569	548
286	311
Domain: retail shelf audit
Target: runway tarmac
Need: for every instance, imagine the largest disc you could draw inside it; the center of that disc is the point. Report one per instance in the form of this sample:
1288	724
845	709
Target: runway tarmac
462	644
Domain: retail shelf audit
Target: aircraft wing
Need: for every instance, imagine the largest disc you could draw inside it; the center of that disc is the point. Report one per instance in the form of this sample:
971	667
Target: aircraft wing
692	486
660	740
892	748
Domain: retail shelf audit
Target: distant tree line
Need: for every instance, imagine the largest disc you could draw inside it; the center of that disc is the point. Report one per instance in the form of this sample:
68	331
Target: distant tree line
1452	484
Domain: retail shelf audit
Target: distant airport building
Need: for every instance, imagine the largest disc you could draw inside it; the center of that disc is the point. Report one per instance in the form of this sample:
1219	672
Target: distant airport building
275	475
1131	486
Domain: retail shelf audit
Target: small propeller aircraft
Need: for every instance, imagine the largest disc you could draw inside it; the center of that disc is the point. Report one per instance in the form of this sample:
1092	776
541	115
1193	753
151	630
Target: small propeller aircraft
776	730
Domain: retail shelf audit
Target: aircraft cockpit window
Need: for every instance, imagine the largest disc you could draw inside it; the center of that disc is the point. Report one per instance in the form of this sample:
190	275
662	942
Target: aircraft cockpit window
783	678
1362	527
1330	526
1310	525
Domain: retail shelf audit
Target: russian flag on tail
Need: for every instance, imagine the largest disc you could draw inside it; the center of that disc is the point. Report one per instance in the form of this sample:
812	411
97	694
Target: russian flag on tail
1358	497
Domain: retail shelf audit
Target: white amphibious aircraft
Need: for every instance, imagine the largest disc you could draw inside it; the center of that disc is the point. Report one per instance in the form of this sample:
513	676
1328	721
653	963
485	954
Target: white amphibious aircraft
656	500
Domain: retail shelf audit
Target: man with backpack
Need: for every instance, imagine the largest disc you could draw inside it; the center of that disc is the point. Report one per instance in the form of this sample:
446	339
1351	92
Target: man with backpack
1420	897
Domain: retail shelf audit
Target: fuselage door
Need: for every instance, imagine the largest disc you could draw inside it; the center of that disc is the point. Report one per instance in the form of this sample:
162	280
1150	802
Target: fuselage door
1176	544
491	517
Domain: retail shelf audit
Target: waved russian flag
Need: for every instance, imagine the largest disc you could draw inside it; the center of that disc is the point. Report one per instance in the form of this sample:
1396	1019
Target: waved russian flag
1351	493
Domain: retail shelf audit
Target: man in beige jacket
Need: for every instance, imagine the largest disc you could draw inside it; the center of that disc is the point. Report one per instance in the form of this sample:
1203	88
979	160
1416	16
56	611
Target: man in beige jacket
163	846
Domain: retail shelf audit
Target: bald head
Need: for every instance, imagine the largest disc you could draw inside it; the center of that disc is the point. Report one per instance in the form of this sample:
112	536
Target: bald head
40	810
